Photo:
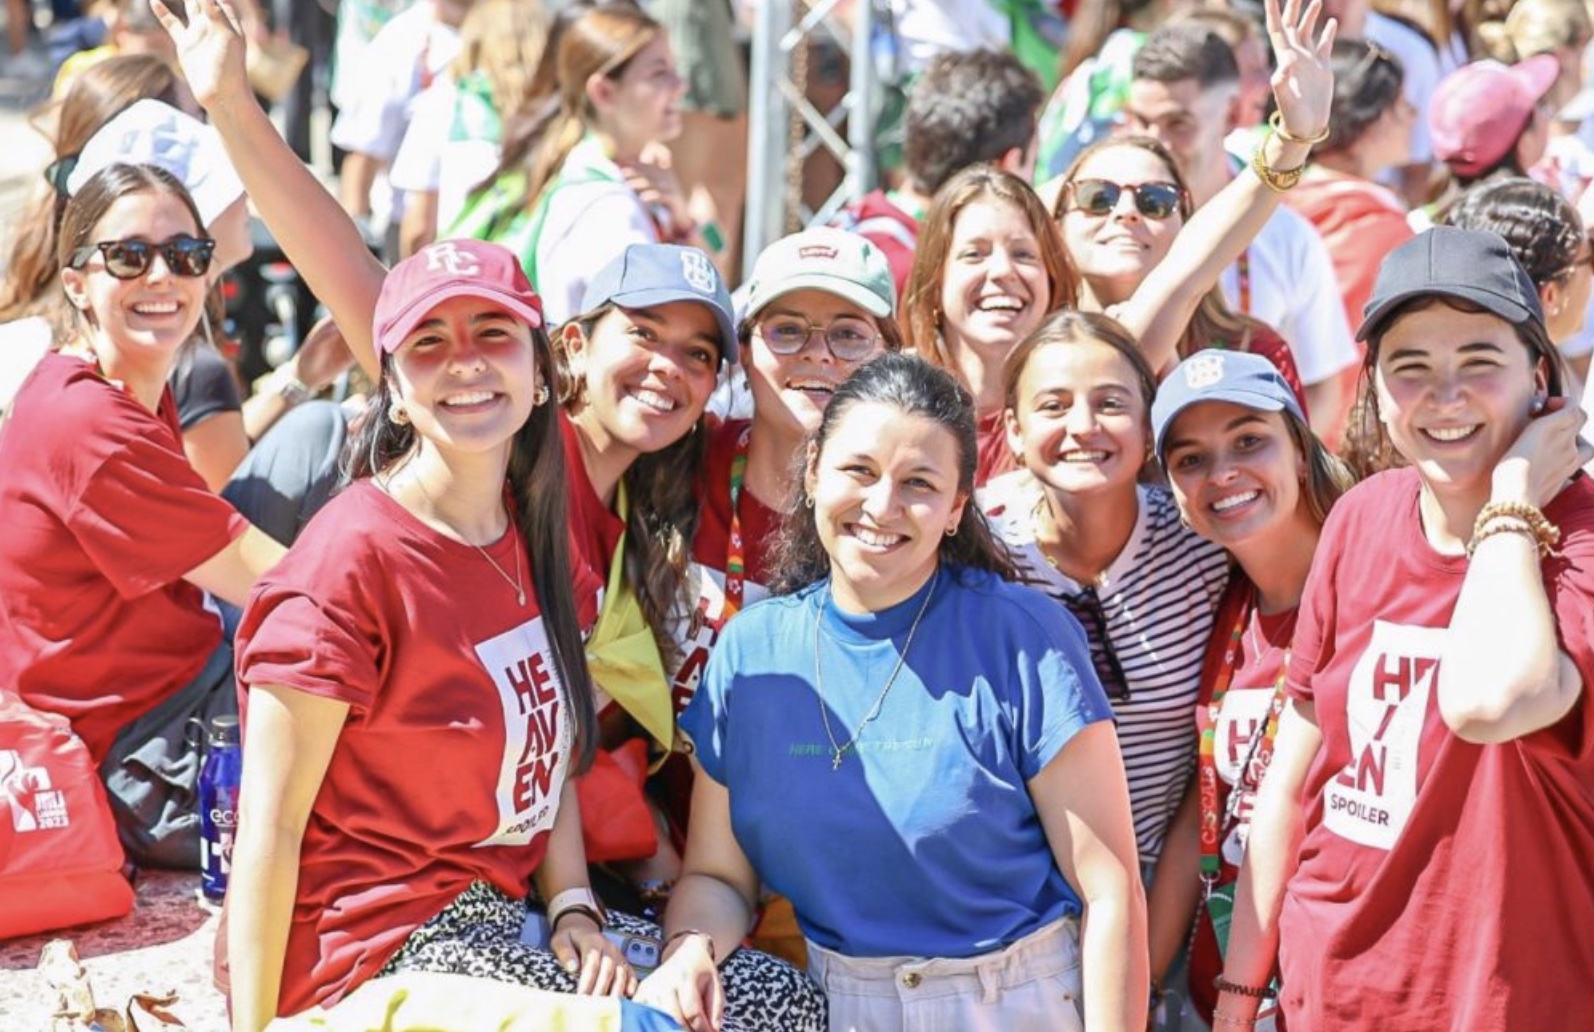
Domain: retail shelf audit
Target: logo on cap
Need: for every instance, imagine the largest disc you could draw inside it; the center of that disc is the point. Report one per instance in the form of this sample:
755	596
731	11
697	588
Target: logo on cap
1202	371
698	270
817	251
448	258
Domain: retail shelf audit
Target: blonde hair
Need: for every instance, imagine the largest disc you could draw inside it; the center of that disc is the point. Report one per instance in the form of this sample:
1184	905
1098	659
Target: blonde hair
1536	27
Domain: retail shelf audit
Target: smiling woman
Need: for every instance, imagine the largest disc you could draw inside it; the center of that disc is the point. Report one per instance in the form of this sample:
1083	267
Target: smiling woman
1438	686
979	774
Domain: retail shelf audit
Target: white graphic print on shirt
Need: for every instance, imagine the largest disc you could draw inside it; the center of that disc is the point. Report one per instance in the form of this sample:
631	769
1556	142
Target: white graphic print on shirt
537	732
1371	799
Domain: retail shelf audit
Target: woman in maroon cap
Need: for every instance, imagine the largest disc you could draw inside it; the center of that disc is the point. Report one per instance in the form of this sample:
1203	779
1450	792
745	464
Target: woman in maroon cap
1488	119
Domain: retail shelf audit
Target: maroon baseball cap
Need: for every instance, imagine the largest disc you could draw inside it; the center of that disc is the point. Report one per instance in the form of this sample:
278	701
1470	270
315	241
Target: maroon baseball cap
447	269
1480	109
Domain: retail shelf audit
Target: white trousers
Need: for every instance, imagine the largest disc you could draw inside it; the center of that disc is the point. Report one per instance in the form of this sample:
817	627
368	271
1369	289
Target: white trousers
1032	985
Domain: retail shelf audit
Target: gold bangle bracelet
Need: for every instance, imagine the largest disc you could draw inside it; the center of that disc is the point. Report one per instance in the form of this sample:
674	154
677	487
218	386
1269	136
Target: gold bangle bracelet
1274	179
1275	121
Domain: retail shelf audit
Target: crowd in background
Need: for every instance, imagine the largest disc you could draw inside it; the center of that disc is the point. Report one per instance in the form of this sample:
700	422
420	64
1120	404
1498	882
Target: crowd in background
1127	571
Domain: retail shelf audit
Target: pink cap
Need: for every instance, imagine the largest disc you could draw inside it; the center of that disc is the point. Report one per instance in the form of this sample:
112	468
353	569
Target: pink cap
446	269
1479	110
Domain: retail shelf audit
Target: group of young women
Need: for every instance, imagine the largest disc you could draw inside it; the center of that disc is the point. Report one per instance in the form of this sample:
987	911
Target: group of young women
546	550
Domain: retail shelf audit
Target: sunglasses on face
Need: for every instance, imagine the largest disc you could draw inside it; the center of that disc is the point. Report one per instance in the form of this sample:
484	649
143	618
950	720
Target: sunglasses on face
1088	610
1099	197
129	259
849	340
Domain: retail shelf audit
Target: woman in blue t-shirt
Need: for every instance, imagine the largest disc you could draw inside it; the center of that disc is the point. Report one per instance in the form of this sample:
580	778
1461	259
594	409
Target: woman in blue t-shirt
912	750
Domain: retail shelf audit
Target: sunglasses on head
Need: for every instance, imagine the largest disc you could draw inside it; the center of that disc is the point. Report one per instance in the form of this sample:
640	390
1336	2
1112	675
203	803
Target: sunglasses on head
1100	196
129	259
1088	610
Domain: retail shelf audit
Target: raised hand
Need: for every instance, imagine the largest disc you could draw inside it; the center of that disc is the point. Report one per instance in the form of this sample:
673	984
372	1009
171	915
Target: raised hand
1547	452
210	50
1303	82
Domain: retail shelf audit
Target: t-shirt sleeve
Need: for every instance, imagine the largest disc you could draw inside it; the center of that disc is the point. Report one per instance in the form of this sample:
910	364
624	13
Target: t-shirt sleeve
1059	693
703	721
146	518
1314	623
314	646
1571	597
204	386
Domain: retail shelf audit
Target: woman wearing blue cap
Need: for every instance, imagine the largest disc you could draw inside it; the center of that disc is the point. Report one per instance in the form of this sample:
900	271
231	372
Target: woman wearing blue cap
1250	476
1419	851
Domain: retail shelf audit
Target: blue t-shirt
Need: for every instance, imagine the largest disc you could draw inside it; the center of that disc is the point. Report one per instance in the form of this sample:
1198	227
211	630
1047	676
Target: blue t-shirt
925	842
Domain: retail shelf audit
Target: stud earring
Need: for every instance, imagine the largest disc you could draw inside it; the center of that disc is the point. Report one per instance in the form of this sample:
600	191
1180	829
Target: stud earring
398	414
541	397
1538	405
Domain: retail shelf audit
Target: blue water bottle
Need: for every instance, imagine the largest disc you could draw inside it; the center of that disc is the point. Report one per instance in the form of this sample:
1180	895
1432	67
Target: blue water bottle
218	805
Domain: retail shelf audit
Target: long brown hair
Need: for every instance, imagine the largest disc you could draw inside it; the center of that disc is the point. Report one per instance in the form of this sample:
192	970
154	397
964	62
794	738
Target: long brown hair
597	41
663	490
98	95
538	481
503	41
1213	321
921	299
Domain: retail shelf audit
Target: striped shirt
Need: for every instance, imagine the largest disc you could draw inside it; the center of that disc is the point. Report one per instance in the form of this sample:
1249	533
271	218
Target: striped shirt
1157	600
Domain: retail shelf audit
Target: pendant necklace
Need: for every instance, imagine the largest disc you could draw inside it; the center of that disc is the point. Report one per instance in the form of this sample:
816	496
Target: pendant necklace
837	752
515	582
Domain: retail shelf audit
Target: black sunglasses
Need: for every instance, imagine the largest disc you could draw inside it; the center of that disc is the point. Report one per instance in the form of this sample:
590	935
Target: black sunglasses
129	259
1100	196
1088	610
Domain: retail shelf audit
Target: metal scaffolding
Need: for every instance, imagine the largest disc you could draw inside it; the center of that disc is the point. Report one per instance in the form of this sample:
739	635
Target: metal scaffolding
785	128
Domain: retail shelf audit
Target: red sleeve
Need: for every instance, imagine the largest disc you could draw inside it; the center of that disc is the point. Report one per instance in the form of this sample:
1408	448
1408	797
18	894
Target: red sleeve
310	645
146	519
1314	627
1569	584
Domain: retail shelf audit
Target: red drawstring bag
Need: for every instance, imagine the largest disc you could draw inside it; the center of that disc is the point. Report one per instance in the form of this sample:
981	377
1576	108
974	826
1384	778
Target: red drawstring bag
616	821
60	861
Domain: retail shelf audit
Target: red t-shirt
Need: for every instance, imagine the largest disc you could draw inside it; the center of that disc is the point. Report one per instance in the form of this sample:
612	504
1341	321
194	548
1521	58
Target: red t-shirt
1238	755
1441	884
711	555
995	456
594	527
457	742
103	517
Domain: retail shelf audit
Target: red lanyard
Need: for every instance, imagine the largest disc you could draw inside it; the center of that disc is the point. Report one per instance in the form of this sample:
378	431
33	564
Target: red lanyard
735	558
1260	750
1242	265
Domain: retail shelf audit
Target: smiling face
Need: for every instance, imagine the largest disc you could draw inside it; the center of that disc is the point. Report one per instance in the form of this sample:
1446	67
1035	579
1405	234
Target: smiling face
1079	418
1237	474
142	320
994	287
648	374
1454	391
1114	252
467	376
885	492
792	391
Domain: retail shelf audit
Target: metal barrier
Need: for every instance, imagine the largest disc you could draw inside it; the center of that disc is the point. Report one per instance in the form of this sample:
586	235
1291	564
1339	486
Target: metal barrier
785	128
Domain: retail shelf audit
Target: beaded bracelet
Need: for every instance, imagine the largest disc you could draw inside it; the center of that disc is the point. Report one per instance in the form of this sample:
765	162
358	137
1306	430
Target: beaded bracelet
1224	1019
1547	534
1275	122
1255	992
1504	525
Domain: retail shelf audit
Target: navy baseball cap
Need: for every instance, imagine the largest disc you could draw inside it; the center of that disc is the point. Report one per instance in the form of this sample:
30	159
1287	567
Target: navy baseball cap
1238	377
1466	264
645	275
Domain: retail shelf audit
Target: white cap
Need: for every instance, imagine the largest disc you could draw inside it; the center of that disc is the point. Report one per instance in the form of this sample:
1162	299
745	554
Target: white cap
152	133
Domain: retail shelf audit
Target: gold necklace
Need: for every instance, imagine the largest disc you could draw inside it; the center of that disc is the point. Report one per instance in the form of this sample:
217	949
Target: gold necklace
838	751
516	583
